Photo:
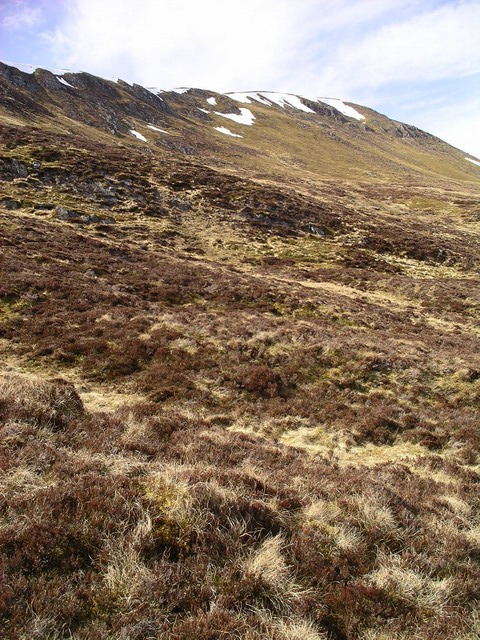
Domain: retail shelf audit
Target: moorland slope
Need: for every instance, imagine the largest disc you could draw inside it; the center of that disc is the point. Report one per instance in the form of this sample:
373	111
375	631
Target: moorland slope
240	388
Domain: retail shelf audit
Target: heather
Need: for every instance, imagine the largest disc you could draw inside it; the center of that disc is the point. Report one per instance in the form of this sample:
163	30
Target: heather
234	404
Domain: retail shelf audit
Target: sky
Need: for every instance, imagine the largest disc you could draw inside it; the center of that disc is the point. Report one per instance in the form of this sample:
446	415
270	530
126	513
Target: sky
417	61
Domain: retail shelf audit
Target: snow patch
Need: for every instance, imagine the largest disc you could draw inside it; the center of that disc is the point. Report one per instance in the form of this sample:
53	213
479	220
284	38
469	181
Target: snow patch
181	89
227	132
138	135
156	91
245	117
473	161
212	101
150	126
26	68
65	82
204	110
272	97
287	99
339	105
246	98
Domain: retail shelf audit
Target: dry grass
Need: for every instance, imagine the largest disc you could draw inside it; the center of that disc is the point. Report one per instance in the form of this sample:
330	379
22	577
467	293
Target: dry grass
268	564
126	573
371	512
298	630
413	586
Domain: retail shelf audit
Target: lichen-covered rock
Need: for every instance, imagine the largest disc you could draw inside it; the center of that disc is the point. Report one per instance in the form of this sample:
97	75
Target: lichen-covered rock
67	214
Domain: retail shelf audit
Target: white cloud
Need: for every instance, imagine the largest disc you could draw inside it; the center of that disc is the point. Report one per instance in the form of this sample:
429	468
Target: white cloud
173	42
328	15
458	124
217	44
312	46
22	16
442	43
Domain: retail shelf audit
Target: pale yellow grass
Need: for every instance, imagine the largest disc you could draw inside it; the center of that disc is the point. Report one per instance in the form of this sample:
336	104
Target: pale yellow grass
268	564
411	585
297	629
22	480
372	512
323	514
371	454
126	571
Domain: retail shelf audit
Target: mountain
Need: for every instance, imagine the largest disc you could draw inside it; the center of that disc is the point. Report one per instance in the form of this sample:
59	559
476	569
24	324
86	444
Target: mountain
289	131
240	388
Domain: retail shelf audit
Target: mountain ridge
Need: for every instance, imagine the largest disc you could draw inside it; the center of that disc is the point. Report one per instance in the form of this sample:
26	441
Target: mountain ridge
402	130
30	69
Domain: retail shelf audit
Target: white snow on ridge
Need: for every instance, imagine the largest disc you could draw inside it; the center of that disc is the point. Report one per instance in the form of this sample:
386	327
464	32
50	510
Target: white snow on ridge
240	97
269	97
60	79
138	135
227	132
339	105
287	99
31	68
150	126
266	98
26	68
204	110
244	98
156	91
246	116
472	160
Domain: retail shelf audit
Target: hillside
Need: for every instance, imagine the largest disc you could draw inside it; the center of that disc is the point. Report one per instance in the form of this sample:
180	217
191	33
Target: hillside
240	388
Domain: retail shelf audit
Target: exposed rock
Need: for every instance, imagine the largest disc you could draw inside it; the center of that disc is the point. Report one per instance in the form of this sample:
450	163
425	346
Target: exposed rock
179	205
15	76
47	80
10	203
18	169
91	219
67	214
181	147
315	230
43	206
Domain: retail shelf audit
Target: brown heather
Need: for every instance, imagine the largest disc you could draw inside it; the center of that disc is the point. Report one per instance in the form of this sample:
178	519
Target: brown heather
216	423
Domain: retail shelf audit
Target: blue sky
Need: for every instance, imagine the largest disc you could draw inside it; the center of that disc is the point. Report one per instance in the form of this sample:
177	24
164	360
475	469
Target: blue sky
417	61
